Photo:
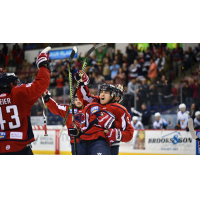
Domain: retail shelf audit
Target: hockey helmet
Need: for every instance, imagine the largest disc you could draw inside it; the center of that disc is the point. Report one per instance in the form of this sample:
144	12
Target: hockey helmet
197	113
7	78
182	106
119	92
108	87
157	114
135	118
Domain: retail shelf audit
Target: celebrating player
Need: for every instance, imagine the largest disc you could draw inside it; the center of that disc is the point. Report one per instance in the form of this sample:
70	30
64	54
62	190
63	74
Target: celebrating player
182	118
159	123
137	125
16	132
62	110
108	95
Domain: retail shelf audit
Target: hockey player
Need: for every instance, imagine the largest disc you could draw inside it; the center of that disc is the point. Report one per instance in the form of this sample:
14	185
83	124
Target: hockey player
86	98
160	123
62	111
197	121
137	125
98	133
182	118
16	132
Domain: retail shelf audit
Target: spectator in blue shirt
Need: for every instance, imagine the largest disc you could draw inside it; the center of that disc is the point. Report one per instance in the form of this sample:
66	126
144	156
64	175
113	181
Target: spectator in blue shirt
114	69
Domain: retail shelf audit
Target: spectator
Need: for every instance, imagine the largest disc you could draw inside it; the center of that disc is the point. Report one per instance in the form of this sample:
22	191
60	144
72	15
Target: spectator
143	92
120	78
6	58
100	54
188	93
129	96
52	65
11	61
193	110
59	85
147	57
26	64
131	53
153	95
34	110
40	107
106	69
146	114
177	54
64	73
52	86
167	92
99	79
18	55
125	70
152	74
108	58
195	88
133	70
114	69
120	57
28	78
160	85
5	49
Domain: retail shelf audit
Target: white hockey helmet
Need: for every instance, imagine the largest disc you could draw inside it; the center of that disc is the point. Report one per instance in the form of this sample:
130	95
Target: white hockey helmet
197	113
135	118
182	106
157	114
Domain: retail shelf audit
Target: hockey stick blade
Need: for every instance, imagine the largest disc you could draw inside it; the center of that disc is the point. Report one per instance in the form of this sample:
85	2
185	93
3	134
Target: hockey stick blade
46	50
191	128
74	51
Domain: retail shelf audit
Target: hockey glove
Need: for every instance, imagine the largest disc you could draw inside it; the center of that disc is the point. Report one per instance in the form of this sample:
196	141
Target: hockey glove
113	135
83	78
46	96
105	120
43	59
73	132
177	127
187	129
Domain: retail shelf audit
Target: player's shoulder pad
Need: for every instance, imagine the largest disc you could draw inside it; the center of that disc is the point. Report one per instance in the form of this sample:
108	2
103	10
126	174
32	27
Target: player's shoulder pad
120	106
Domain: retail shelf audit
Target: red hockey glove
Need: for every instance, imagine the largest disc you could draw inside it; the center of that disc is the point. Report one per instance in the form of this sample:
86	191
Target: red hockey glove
84	79
46	96
105	120
113	135
43	59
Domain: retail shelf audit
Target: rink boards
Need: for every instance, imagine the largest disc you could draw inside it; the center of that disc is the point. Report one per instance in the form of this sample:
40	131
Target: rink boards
144	142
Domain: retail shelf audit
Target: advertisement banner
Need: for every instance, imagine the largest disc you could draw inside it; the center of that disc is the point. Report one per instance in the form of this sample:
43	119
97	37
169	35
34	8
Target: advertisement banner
174	142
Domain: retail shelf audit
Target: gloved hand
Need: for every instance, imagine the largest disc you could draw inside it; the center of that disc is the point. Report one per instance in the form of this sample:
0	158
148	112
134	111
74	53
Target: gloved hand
105	120
187	129
43	59
177	127
46	96
83	78
113	135
73	132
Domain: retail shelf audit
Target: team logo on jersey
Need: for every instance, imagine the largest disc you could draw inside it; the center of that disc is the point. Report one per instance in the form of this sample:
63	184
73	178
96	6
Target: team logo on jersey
94	109
75	111
79	118
2	135
8	147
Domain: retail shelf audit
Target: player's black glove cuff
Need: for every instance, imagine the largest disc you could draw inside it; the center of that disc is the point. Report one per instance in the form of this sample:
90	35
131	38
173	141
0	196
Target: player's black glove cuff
78	78
45	64
73	132
46	98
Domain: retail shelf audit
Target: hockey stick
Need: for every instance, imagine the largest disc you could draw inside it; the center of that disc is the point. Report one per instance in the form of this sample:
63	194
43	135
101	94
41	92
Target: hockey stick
74	51
45	120
82	70
192	131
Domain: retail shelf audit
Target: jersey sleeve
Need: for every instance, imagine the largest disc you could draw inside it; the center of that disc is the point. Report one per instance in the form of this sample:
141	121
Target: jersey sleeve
154	125
84	95
56	108
32	91
123	122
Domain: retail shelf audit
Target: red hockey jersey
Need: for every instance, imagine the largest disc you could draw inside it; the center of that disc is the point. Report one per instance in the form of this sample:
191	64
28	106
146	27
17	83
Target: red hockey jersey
123	123
15	127
62	111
